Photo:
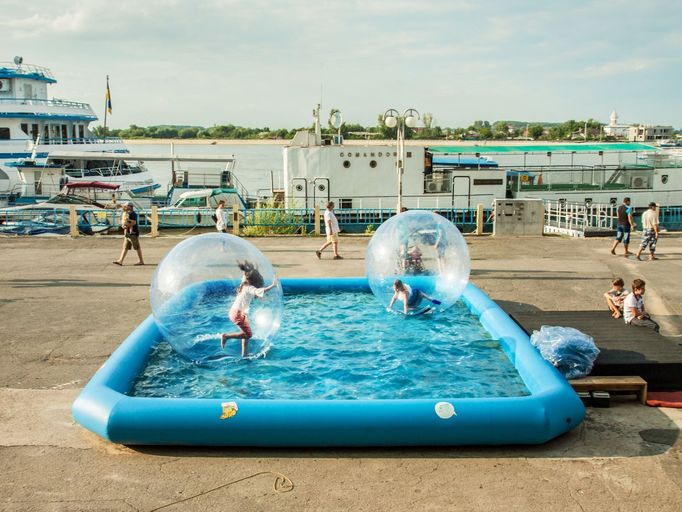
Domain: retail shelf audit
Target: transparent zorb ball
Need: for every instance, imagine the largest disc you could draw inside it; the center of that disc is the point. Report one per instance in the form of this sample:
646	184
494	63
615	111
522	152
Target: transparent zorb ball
194	287
423	250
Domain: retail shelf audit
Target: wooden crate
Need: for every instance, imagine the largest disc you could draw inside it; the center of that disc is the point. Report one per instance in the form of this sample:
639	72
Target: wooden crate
615	383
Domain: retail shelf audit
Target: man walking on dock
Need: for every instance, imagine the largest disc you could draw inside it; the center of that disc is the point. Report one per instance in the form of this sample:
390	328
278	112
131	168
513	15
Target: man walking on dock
624	227
331	228
649	232
131	235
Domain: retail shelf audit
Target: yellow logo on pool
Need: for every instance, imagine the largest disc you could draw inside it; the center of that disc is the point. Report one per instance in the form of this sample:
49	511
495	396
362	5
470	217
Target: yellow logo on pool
229	410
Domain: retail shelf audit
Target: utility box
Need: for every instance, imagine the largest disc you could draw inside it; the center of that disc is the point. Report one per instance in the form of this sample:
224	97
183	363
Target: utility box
519	217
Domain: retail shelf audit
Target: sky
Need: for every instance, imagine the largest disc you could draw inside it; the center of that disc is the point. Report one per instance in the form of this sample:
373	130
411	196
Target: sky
261	63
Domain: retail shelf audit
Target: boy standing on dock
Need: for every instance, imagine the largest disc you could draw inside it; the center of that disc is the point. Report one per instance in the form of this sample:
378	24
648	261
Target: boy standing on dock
331	228
650	232
625	225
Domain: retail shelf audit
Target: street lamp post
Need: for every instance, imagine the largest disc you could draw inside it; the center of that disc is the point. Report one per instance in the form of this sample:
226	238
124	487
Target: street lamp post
393	119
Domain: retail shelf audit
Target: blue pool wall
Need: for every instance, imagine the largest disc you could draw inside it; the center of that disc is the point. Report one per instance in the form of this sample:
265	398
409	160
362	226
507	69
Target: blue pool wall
551	409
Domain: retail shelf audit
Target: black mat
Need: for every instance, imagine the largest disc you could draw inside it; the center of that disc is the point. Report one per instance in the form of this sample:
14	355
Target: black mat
625	350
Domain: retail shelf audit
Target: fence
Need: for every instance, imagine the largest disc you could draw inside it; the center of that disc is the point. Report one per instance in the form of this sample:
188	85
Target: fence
579	219
252	220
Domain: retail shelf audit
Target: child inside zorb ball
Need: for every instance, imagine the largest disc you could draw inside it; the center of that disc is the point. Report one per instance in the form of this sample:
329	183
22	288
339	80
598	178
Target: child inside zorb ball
251	287
420	259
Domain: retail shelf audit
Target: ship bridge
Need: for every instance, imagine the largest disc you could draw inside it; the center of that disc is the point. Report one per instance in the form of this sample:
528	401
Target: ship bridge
26	112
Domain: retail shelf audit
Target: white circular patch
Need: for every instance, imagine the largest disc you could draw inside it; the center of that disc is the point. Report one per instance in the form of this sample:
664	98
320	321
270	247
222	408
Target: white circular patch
445	410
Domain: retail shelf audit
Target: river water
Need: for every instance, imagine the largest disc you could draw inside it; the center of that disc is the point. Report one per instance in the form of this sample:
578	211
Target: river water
254	162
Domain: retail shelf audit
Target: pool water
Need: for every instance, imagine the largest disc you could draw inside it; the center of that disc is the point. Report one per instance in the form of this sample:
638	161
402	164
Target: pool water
343	345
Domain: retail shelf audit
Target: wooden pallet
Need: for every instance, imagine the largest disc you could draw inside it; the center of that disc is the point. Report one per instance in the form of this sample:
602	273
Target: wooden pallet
616	383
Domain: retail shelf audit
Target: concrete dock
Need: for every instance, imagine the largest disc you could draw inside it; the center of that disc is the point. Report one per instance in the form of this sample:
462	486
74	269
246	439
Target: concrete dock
65	308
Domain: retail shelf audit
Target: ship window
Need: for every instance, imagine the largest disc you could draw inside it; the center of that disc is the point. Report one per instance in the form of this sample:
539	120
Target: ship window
345	204
373	163
346	163
4	133
488	182
81	131
24	128
35	131
409	154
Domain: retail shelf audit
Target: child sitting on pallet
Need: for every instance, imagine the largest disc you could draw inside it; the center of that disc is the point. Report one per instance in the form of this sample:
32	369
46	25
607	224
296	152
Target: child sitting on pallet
633	307
615	297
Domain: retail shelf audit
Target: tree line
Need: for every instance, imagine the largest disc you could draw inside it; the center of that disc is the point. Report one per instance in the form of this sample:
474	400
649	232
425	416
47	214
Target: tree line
479	130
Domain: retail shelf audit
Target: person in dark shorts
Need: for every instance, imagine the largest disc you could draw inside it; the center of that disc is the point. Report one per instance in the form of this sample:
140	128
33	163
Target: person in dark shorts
131	235
410	297
624	227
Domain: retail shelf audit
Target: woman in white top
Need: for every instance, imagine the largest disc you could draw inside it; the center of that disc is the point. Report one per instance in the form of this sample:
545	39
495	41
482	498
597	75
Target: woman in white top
221	217
250	287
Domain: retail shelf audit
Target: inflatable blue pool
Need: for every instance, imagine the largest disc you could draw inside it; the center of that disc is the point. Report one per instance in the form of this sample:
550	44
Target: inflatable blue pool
551	408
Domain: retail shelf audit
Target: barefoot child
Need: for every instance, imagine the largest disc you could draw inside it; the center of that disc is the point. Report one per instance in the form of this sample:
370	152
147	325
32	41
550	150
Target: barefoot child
411	297
633	308
615	297
250	287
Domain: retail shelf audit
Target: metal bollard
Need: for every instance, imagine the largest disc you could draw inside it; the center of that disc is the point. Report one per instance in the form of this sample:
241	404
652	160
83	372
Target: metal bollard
479	219
73	222
155	221
235	220
317	220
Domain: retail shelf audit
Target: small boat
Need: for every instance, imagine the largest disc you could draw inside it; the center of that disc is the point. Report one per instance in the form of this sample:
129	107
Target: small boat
196	207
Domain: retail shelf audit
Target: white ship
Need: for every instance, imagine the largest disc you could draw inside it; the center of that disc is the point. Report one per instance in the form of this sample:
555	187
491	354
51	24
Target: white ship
35	128
462	176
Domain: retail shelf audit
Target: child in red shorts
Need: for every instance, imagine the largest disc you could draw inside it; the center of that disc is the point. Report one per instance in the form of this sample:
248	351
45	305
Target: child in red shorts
250	287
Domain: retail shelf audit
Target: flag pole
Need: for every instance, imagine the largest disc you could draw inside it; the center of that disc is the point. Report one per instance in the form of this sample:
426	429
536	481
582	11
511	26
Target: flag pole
106	106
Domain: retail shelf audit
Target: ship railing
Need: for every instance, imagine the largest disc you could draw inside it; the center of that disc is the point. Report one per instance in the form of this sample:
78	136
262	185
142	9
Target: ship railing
104	172
82	140
586	178
27	69
55	102
579	219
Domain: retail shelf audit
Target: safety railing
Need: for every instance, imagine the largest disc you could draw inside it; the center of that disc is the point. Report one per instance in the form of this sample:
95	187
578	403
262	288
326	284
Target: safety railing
269	220
576	219
56	221
670	217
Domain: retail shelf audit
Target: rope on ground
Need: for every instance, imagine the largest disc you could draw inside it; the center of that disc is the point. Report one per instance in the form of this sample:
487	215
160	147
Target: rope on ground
281	484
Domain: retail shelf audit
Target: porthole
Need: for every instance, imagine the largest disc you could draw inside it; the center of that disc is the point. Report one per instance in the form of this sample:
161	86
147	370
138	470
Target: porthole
372	163
346	163
299	188
664	179
321	188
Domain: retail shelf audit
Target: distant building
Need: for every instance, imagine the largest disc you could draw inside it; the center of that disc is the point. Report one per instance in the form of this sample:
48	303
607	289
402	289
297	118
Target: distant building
613	129
648	132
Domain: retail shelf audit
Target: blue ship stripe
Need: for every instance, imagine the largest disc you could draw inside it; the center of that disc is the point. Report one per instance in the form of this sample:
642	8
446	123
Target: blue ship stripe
4	156
37	115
